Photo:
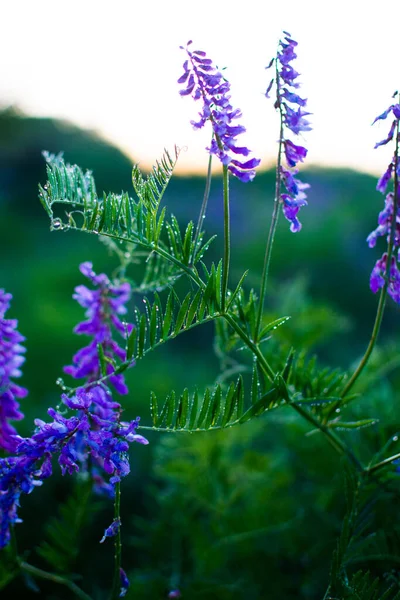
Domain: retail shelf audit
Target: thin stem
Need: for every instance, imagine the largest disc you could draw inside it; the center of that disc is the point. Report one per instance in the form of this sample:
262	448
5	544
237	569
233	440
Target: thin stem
227	238
382	299
203	209
274	219
382	463
333	439
117	544
251	345
55	579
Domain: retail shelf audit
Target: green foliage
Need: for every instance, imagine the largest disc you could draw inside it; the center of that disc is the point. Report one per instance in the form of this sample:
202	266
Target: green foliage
60	546
216	408
138	222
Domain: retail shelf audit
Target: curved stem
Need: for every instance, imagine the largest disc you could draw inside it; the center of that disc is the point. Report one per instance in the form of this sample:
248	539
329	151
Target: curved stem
203	209
117	545
227	238
55	579
382	300
274	219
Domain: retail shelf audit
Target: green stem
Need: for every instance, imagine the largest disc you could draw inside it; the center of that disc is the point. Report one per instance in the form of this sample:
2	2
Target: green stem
203	209
251	345
274	222
382	463
332	438
227	238
117	545
382	299
55	579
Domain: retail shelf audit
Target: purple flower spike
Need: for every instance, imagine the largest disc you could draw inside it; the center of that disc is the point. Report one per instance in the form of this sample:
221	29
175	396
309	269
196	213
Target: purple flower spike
204	82
104	306
292	113
10	361
389	217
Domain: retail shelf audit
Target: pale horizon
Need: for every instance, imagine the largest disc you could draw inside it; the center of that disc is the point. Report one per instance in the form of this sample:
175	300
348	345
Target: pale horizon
114	70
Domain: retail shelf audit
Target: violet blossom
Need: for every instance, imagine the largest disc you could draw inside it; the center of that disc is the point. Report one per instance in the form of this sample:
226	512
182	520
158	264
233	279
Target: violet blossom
10	361
204	82
389	217
293	121
87	433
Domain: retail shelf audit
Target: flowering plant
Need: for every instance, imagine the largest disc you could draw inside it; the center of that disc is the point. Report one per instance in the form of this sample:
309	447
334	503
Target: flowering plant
88	434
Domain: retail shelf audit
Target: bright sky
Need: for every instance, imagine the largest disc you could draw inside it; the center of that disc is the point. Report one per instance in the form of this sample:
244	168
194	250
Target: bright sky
113	66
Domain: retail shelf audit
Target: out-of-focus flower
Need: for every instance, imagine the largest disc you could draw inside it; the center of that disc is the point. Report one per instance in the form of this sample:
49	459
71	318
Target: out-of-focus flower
204	82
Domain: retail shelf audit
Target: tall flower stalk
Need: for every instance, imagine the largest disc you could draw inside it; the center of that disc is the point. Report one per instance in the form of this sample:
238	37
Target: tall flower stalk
292	121
385	275
203	81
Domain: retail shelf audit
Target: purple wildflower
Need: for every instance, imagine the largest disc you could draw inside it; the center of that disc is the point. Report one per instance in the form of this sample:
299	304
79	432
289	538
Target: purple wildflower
10	360
112	530
204	82
291	107
74	440
88	433
104	305
174	594
124	583
389	217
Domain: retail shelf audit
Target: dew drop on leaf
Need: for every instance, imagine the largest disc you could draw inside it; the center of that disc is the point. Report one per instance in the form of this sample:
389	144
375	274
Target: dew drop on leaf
56	224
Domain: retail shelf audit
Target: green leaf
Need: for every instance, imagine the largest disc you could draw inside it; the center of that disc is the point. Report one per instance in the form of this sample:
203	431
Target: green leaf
154	408
142	336
193	410
214	408
269	400
102	360
353	424
182	312
130	345
183	408
204	408
194	306
168	315
229	405
237	290
273	325
171	399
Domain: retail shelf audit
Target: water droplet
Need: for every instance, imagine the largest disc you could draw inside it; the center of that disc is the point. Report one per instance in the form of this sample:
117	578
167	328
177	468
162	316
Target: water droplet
56	224
395	438
337	410
127	255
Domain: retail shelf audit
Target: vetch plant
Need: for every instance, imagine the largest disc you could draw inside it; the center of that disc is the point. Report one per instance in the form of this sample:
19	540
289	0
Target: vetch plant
89	433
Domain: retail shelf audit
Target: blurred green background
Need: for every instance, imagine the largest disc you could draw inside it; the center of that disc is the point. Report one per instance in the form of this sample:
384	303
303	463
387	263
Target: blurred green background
188	525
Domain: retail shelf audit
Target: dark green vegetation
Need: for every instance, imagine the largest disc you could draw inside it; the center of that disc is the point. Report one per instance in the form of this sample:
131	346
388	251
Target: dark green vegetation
253	512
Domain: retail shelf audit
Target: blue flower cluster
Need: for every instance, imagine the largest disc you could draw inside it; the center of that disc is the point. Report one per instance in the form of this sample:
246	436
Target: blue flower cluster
291	107
204	82
389	214
87	432
11	359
